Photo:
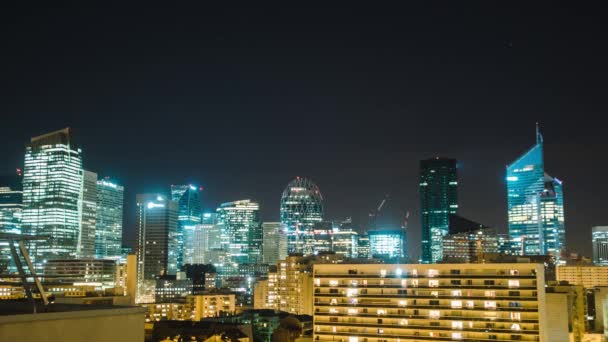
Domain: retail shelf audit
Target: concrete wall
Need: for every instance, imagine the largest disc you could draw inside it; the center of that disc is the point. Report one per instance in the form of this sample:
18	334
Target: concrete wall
117	325
556	323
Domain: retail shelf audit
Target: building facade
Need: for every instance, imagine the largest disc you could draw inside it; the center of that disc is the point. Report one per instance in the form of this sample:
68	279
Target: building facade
535	205
274	242
88	221
52	195
438	199
442	302
189	216
11	209
108	231
156	242
241	230
585	276
97	272
599	239
386	244
301	209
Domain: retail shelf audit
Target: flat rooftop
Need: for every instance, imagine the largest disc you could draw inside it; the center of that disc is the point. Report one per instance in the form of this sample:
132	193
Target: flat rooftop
17	308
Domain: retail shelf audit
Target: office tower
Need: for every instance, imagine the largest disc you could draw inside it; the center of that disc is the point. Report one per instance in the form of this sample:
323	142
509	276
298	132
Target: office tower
156	242
52	195
274	242
88	221
535	205
442	302
386	244
468	241
438	199
345	239
599	238
189	215
322	236
241	230
205	238
363	246
301	208
11	208
108	232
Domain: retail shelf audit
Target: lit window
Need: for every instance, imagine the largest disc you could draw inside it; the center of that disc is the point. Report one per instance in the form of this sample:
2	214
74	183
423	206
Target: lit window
351	292
489	304
515	326
403	303
403	322
456	324
456	293
490	293
470	304
318	282
456	335
333	283
433	273
380	331
516	316
415	272
333	310
333	301
333	329
398	272
514	272
434	314
353	339
383	273
514	283
403	282
381	312
434	283
456	304
415	282
435	293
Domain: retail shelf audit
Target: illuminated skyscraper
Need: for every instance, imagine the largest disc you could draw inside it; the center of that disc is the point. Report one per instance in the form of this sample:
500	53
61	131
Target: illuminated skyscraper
599	238
52	195
274	242
438	199
156	241
301	208
108	233
241	230
189	215
535	205
387	244
86	241
11	208
204	238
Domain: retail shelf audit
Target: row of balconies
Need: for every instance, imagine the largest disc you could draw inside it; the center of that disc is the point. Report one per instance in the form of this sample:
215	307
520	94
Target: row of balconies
502	328
417	336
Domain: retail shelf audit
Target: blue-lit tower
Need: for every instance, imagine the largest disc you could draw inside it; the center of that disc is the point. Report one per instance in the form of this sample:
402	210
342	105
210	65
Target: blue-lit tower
189	216
535	205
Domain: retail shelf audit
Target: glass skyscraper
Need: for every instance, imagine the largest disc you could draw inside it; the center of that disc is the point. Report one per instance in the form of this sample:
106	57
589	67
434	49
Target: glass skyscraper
241	231
189	216
535	205
387	244
599	238
274	243
205	238
52	195
86	241
438	199
11	208
108	232
301	209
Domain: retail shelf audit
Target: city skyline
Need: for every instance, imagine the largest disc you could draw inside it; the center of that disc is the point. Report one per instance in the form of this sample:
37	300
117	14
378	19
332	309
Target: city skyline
351	101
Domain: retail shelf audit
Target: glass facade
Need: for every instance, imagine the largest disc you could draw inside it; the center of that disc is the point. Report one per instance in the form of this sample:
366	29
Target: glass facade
599	238
301	209
108	232
274	242
205	238
52	195
535	205
438	199
241	230
86	242
387	244
189	216
11	208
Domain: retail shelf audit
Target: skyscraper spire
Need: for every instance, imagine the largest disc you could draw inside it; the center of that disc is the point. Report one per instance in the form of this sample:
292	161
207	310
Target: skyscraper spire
539	137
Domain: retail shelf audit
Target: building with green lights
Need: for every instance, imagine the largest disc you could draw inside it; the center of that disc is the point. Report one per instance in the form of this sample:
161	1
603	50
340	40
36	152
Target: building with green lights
535	205
388	244
241	231
189	216
11	209
108	232
52	195
438	199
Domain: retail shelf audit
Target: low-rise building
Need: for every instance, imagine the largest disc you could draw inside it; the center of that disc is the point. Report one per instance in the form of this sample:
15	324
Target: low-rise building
587	276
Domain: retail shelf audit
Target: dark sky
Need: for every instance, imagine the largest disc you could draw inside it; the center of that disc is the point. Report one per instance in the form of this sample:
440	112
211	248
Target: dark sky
241	100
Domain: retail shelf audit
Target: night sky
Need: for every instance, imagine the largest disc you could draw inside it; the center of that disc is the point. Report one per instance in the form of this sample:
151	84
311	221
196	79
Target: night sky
241	100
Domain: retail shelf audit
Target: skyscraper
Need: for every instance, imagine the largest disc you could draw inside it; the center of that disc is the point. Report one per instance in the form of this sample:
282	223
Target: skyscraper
108	231
535	205
387	244
11	208
52	195
599	238
86	241
189	215
156	241
205	238
274	243
241	230
438	199
301	208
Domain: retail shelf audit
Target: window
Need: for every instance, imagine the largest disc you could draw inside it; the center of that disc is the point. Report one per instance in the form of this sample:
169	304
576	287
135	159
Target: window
333	301
403	282
490	293
383	273
380	331
352	338
456	293
489	304
516	316
515	326
456	335
470	304
434	314
513	283
352	311
455	282
317	282
333	283
514	272
403	303
433	302
351	292
381	311
433	273
333	310
454	271
456	304
415	272
435	293
488	282
403	322
514	293
415	282
434	283
457	324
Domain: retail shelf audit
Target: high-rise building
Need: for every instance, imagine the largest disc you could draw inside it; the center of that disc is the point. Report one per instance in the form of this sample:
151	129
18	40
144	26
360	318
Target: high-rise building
301	209
108	231
189	215
363	246
11	208
274	242
599	238
323	234
386	244
86	242
156	242
241	230
52	195
345	240
438	199
442	302
204	238
468	241
535	205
